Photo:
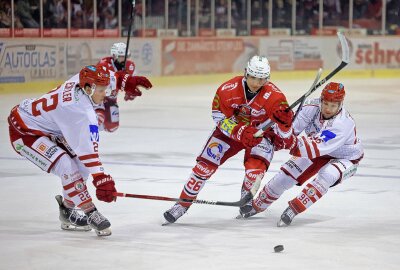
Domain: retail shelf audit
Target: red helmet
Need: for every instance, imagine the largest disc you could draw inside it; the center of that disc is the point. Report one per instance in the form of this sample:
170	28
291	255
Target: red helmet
333	92
97	75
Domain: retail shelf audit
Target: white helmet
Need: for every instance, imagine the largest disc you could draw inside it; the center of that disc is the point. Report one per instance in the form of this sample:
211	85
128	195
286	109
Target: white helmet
258	67
118	49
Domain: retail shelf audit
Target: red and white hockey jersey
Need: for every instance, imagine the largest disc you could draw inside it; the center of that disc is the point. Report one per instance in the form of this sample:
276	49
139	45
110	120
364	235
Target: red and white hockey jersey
230	101
68	112
335	137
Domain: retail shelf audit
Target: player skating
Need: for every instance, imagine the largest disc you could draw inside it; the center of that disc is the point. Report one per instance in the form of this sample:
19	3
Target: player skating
59	133
108	113
329	148
240	108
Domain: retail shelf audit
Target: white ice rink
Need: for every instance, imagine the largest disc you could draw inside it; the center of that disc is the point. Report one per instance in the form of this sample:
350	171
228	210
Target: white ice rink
355	226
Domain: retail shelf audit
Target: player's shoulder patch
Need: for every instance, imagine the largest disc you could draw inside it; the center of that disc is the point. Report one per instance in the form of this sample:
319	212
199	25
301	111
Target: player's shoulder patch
327	135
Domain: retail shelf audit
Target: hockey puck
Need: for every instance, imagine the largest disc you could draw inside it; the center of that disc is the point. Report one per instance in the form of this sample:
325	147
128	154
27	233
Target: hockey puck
278	248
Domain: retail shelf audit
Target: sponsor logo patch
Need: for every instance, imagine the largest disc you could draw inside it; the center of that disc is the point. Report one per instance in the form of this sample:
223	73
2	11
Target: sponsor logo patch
327	135
214	150
94	133
229	86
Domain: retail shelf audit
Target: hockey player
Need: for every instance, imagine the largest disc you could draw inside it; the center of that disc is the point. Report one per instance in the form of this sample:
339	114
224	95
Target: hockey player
240	108
59	133
330	148
108	113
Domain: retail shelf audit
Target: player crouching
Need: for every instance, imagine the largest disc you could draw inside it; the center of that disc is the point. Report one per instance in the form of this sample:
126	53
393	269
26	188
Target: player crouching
330	149
59	133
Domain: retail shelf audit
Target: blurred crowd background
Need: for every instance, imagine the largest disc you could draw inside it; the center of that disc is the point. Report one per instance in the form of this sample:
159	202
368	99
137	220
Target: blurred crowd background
195	17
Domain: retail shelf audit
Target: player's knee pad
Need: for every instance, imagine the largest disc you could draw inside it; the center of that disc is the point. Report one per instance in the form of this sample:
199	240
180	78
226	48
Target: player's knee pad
41	151
83	170
204	170
328	176
280	183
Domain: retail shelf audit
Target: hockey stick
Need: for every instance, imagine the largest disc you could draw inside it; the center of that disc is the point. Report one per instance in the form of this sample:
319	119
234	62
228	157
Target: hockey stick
239	203
319	73
129	31
345	61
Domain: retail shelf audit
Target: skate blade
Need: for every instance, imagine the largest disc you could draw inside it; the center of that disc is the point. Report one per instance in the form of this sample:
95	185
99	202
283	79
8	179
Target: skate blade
70	227
281	224
239	217
166	223
105	232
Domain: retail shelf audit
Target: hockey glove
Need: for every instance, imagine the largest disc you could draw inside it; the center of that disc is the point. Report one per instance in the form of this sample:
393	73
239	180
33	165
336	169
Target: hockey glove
245	134
105	186
285	143
282	117
129	84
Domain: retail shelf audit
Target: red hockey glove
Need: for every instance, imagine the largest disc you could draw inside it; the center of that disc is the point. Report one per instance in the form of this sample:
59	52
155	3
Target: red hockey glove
129	84
269	134
105	186
285	143
282	117
245	134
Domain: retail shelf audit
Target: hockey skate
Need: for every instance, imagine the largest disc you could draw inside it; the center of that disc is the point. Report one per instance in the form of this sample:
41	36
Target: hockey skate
248	206
71	219
286	217
99	223
174	213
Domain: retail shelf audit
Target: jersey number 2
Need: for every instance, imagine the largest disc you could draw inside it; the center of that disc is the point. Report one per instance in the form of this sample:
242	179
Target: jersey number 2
45	106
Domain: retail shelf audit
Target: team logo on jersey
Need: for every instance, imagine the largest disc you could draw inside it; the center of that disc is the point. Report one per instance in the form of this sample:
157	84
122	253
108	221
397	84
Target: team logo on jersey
94	133
79	185
311	192
327	135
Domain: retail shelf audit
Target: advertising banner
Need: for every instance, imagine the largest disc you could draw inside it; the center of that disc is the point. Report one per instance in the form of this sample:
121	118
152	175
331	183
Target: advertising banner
21	62
375	53
206	55
24	60
288	53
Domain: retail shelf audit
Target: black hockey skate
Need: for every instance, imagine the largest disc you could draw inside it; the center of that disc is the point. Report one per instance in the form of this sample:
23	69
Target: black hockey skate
246	210
71	218
286	217
175	212
99	223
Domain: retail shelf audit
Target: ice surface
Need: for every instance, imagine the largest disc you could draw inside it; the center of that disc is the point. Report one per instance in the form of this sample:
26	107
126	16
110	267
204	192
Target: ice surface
355	226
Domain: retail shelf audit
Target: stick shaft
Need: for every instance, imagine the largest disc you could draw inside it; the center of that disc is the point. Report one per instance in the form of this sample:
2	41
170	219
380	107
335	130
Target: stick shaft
129	31
162	198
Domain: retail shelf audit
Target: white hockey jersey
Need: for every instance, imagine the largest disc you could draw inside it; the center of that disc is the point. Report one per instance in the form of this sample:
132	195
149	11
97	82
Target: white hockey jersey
68	112
335	137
